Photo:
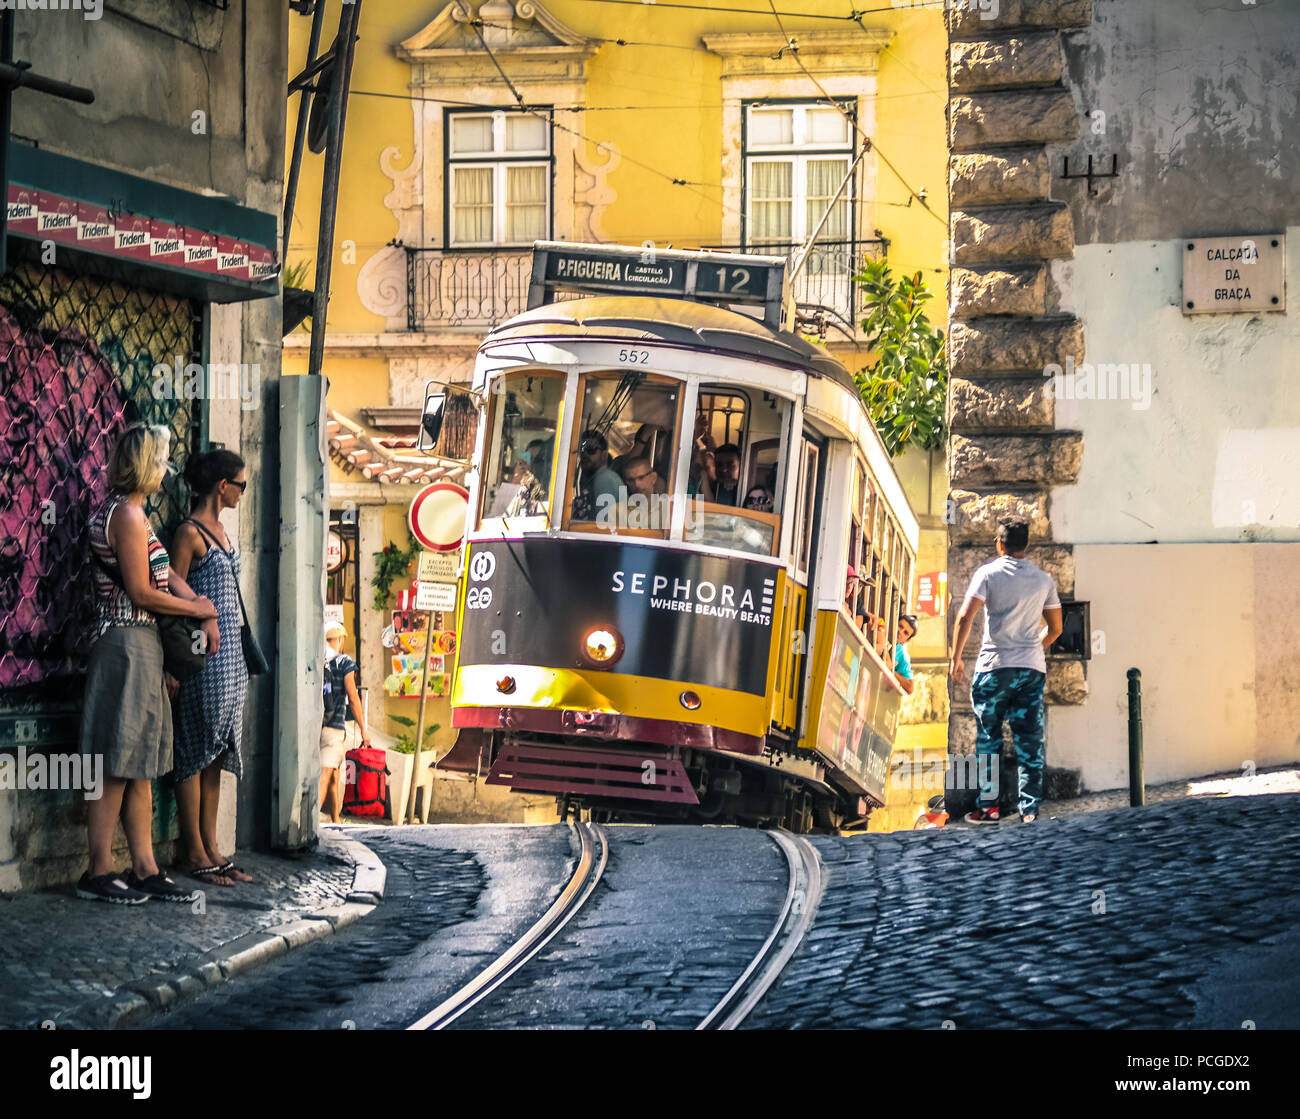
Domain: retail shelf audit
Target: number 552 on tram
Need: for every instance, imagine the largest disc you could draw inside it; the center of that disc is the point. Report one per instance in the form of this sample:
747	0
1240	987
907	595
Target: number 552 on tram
687	551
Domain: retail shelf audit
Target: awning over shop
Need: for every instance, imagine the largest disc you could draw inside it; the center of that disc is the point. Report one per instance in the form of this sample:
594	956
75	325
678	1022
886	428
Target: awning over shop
202	246
389	458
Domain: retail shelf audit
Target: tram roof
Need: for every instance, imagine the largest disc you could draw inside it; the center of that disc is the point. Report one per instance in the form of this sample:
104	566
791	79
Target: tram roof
676	322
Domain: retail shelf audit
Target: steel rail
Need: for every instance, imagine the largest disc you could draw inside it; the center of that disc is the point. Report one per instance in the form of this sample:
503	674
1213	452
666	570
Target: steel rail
592	856
792	925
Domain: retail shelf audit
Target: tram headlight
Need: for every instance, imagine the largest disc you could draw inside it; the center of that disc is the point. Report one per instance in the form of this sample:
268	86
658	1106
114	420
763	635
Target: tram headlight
602	646
690	700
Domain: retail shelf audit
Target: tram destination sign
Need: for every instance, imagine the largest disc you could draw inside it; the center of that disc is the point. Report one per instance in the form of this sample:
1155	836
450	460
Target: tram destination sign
725	278
1226	274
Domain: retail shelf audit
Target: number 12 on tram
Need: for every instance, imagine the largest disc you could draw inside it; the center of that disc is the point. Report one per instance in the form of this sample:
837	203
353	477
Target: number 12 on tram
687	552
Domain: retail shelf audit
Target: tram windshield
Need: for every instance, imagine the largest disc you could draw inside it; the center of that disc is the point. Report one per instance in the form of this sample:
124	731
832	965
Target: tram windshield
520	460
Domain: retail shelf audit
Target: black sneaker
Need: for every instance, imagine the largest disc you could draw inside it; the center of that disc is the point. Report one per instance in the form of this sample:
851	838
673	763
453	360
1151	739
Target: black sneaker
160	888
110	888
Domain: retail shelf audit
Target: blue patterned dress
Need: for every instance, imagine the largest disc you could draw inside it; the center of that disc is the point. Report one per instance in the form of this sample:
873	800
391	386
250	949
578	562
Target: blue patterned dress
210	708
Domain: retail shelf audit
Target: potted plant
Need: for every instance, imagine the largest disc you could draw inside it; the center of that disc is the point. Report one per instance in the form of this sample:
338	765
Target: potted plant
400	759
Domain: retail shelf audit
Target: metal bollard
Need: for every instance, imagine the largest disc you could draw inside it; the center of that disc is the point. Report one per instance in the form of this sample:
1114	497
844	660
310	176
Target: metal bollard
1136	787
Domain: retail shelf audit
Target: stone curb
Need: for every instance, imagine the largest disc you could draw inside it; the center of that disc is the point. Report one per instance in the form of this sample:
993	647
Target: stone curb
137	1001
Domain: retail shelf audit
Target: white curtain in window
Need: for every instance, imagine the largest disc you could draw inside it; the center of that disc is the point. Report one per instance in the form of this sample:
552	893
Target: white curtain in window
471	205
824	178
770	183
526	202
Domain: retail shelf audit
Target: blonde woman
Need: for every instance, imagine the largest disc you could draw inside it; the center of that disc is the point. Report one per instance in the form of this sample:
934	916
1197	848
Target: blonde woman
126	715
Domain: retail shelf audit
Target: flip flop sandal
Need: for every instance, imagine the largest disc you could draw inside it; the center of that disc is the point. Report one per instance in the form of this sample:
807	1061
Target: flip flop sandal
208	875
230	870
110	888
161	887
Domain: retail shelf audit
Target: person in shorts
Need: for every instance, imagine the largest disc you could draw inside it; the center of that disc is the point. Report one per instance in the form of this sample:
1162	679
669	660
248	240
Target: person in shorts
342	729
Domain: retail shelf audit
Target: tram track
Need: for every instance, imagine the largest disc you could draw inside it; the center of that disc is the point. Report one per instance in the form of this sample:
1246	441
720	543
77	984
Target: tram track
788	932
593	855
759	975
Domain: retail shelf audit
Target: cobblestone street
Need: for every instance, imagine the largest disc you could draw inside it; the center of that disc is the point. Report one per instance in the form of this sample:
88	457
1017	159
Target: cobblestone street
1118	919
1159	917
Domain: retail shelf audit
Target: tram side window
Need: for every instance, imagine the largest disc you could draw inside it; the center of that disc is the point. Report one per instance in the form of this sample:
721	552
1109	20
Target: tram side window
521	445
623	474
738	443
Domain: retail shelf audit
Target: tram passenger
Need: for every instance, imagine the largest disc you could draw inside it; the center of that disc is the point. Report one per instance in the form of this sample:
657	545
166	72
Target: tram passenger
903	662
726	462
641	477
700	482
598	485
650	443
646	507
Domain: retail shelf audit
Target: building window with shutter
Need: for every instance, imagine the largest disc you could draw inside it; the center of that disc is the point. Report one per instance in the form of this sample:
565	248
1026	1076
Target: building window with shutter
498	178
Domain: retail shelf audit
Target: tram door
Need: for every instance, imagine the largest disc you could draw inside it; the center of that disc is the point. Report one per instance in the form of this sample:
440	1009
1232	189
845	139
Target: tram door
808	504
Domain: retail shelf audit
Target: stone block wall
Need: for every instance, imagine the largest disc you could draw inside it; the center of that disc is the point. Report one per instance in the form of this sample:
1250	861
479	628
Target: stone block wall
1009	99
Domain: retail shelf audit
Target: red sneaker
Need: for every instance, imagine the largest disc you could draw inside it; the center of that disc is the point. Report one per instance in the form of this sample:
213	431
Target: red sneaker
982	816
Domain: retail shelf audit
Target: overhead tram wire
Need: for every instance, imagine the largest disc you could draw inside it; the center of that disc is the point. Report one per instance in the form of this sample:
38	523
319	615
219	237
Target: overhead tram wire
792	45
600	145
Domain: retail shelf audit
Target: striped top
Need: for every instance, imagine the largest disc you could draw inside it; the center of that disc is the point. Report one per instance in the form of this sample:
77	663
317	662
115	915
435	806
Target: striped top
113	605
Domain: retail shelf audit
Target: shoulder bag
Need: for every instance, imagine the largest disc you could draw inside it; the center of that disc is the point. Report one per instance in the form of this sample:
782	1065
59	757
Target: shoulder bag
183	657
254	661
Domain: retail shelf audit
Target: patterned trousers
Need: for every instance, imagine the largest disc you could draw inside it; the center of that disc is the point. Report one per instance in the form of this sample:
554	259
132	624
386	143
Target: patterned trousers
1016	696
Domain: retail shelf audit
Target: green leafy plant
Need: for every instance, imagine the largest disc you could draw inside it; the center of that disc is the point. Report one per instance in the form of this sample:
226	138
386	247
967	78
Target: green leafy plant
392	563
906	389
405	743
300	275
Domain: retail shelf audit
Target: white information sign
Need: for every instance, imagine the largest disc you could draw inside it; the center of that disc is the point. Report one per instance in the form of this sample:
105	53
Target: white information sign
1226	274
438	567
435	596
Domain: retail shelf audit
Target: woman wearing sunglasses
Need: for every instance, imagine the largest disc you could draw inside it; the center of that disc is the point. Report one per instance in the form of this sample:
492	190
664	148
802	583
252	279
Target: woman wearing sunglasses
210	707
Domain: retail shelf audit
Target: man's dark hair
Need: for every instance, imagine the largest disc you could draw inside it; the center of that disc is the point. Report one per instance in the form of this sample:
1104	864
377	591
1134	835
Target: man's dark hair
727	449
591	435
910	619
1014	536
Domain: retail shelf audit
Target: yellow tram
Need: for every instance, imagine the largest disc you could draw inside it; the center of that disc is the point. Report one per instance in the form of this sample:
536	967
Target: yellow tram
686	555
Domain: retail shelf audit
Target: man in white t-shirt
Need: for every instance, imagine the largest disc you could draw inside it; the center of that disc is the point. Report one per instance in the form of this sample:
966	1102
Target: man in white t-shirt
1022	617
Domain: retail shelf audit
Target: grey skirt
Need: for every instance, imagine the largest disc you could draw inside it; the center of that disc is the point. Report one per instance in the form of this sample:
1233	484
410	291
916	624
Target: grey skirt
126	716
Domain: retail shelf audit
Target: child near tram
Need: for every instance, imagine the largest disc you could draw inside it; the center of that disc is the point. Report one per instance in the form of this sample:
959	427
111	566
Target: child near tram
1022	617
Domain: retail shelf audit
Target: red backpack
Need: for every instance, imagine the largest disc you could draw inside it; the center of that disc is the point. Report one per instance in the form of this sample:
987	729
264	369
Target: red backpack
366	790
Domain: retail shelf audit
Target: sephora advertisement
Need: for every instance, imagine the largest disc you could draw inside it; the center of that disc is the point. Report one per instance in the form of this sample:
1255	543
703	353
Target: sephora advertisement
677	615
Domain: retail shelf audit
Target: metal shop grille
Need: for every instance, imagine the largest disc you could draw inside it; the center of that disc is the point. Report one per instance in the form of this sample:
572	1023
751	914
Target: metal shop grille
77	358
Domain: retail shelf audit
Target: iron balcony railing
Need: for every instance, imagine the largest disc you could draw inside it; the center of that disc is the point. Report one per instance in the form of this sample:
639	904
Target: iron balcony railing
465	287
484	287
824	290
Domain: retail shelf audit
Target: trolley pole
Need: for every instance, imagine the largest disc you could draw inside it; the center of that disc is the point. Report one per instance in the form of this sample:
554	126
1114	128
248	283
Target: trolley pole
1136	786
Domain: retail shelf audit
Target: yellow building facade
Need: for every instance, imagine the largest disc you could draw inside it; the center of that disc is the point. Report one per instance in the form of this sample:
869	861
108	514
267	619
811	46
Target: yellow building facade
476	128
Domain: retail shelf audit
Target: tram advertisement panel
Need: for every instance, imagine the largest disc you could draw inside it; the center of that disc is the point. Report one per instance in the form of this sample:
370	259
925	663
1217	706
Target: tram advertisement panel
679	615
859	713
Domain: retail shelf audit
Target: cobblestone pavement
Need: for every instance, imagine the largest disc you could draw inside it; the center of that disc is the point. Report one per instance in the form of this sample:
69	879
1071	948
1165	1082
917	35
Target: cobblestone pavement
673	923
1133	918
677	916
62	954
489	882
